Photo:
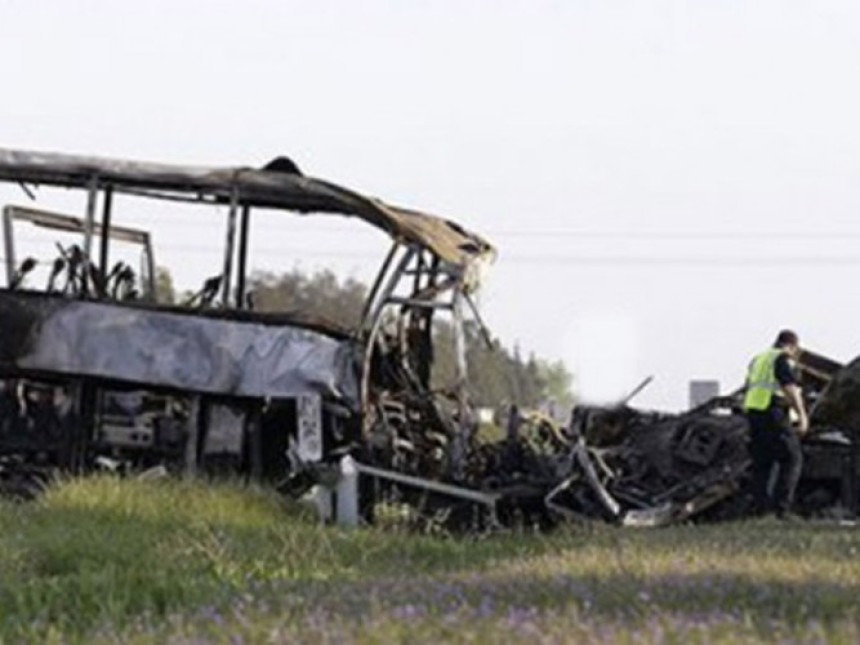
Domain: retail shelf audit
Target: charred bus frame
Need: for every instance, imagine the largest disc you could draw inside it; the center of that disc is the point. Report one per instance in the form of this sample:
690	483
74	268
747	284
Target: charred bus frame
229	355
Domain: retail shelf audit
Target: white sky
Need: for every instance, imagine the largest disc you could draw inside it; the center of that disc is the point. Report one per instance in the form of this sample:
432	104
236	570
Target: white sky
698	144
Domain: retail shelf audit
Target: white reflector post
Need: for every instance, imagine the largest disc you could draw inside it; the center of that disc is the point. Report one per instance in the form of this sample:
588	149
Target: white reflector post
347	493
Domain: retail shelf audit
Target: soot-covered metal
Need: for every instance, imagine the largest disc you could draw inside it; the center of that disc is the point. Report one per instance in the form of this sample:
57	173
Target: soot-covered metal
148	347
95	372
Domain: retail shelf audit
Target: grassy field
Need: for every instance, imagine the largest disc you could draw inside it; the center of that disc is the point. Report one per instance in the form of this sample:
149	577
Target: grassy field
103	560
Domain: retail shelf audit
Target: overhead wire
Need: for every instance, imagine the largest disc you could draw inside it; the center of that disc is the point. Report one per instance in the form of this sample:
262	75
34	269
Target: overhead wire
611	257
680	236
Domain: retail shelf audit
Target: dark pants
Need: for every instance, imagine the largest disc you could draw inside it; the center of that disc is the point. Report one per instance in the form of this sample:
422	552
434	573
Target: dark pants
773	441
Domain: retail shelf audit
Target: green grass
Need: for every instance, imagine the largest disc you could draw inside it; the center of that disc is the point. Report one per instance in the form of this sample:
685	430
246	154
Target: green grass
104	559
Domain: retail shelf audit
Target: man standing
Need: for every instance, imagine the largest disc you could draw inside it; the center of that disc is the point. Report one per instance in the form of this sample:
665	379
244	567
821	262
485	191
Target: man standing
771	391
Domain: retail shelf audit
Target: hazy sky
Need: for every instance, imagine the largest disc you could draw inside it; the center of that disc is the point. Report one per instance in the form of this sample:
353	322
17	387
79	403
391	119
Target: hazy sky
668	183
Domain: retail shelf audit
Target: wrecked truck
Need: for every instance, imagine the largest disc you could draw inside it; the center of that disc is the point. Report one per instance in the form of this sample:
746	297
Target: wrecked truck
96	372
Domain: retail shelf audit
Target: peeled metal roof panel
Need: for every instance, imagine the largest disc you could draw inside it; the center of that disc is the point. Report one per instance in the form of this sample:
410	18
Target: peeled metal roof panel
262	188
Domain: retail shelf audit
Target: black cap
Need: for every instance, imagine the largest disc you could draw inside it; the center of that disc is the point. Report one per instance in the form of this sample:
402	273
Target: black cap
786	337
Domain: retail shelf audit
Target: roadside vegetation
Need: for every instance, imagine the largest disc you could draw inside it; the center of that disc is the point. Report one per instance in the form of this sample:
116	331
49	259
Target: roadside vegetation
103	559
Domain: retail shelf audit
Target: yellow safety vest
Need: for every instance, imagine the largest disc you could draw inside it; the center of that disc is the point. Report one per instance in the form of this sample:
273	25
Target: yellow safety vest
761	381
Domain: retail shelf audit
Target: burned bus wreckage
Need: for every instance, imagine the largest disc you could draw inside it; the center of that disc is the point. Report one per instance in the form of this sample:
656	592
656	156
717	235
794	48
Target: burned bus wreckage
95	373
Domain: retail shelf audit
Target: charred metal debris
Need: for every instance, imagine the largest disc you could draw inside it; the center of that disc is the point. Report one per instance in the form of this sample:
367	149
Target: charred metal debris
95	373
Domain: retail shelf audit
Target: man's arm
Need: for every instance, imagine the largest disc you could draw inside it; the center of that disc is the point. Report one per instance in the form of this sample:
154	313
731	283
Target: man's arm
787	378
795	399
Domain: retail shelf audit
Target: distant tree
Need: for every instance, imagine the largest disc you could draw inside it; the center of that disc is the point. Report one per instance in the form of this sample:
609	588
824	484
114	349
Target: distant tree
319	294
498	376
